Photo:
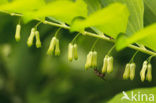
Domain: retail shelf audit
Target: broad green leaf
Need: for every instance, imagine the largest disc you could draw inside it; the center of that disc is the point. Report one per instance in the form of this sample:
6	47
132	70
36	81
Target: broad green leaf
146	36
136	9
150	11
109	20
22	6
93	5
63	10
3	2
148	93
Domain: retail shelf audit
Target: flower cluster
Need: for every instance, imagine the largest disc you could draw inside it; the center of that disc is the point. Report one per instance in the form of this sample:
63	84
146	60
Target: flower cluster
72	52
107	64
129	71
146	67
91	61
34	33
54	47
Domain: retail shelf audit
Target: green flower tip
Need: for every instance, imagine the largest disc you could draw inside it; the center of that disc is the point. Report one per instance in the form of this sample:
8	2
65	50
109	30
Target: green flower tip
129	71
107	64
31	37
18	31
38	42
91	61
146	67
72	52
54	47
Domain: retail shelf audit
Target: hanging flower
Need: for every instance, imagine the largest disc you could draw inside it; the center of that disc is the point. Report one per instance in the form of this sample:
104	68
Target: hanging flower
38	42
107	64
18	31
31	37
54	47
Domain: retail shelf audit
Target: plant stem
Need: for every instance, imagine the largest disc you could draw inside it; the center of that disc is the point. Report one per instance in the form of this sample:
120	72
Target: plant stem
110	50
94	44
89	34
75	38
57	32
132	59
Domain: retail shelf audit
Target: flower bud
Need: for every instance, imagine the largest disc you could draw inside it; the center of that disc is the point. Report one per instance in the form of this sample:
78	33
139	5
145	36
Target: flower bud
149	72
126	72
94	59
105	63
31	37
52	46
57	48
18	31
38	42
75	52
110	64
89	60
143	71
70	52
132	71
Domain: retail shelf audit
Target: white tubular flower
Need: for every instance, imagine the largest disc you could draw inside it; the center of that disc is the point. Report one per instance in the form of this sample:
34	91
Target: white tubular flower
38	42
57	48
52	46
132	71
89	60
149	72
110	64
18	31
75	52
105	63
94	59
31	37
70	52
143	71
126	72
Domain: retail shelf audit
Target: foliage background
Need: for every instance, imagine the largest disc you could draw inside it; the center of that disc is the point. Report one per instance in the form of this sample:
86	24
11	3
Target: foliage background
28	75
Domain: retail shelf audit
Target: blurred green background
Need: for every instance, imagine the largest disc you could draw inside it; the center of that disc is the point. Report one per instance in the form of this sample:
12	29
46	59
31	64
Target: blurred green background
29	75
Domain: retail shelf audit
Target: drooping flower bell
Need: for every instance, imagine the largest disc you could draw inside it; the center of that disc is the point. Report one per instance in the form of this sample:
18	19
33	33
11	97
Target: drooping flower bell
31	37
57	48
110	64
143	71
54	47
72	52
129	71
36	34
91	61
18	32
132	71
104	67
38	42
149	72
107	64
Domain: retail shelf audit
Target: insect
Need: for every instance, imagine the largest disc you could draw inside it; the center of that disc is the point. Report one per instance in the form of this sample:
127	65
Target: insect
99	74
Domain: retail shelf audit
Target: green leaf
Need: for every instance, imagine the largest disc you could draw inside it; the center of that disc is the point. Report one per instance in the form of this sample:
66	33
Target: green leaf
136	9
148	91
63	10
106	20
22	6
150	11
146	36
3	2
93	5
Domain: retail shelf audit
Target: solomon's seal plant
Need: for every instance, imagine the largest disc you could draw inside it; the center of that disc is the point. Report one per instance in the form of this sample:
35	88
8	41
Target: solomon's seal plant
114	22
